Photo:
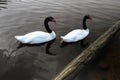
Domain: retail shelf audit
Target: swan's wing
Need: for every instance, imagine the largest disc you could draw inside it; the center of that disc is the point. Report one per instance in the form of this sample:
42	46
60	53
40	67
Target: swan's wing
37	34
34	37
75	35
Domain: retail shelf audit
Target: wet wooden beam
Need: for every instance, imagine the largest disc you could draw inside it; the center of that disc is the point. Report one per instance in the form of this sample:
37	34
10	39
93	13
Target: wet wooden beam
79	62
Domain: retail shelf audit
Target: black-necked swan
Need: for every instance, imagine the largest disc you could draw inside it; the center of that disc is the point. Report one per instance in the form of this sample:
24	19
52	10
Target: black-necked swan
38	37
77	34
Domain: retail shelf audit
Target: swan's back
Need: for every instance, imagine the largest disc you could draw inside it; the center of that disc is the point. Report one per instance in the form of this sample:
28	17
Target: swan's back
36	37
75	35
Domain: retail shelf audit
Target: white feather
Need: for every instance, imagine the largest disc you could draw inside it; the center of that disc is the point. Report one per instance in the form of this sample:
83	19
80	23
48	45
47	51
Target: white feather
75	35
36	37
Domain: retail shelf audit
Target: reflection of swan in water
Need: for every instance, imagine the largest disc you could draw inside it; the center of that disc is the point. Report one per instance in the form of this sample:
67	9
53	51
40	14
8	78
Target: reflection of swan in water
48	44
13	51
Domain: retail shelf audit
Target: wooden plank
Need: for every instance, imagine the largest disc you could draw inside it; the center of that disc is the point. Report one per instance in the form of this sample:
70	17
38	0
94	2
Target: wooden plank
88	53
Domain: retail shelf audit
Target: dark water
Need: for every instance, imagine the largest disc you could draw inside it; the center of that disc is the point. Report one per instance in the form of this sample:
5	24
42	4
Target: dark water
18	17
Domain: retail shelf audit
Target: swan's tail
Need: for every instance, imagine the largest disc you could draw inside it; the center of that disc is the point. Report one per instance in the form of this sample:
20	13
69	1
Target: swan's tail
19	38
65	39
62	37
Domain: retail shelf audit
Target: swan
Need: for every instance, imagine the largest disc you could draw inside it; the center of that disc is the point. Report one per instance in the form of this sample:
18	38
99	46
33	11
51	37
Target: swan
77	34
38	37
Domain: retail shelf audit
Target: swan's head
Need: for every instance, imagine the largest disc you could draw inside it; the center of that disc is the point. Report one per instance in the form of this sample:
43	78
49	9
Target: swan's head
51	19
88	17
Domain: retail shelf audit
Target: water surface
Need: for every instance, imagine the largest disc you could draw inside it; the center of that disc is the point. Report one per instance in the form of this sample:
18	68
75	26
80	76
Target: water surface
18	17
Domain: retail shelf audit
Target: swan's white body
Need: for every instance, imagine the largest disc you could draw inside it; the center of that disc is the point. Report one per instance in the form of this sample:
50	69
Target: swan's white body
75	35
36	37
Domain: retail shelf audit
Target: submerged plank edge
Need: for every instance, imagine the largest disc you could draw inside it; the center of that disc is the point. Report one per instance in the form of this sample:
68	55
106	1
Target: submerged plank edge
89	52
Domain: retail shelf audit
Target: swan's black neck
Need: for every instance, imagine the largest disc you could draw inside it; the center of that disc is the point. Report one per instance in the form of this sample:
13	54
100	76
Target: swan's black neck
47	26
84	23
